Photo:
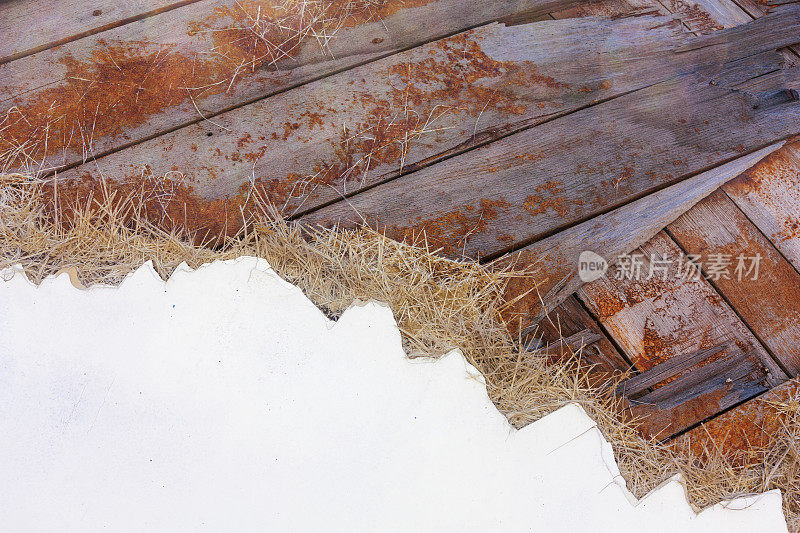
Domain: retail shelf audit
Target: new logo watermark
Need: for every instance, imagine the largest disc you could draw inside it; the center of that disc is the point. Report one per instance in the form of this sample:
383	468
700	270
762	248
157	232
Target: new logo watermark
591	266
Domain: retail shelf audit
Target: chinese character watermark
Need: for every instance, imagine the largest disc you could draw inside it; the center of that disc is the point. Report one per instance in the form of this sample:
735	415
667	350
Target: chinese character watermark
691	267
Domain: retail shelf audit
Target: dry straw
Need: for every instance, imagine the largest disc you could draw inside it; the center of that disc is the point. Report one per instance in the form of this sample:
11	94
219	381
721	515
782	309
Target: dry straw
439	304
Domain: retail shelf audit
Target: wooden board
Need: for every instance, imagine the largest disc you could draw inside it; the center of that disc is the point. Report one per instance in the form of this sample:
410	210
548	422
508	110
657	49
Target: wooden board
30	27
769	194
748	272
706	16
570	320
140	80
525	186
740	432
610	236
672	314
314	144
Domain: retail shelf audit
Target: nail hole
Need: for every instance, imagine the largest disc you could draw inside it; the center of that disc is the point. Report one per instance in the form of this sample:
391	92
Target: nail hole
97	12
209	134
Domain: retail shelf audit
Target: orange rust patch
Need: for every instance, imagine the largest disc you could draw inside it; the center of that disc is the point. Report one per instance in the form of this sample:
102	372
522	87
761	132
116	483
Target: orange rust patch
549	195
452	230
743	433
121	85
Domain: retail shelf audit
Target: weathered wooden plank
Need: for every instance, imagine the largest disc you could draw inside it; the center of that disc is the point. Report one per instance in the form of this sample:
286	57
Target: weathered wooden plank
706	16
657	318
365	126
30	27
611	235
666	370
744	431
748	271
124	85
611	9
570	319
575	167
769	194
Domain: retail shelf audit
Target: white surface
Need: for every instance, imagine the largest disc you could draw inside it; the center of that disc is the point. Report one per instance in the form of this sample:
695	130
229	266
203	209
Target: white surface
224	400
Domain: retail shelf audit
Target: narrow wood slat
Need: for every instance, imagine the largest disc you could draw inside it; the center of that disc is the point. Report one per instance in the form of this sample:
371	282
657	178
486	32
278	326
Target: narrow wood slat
571	319
705	379
29	27
746	429
610	236
767	299
673	313
666	370
136	81
769	194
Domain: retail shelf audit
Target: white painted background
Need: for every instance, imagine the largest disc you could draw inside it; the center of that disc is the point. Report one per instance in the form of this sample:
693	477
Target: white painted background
224	400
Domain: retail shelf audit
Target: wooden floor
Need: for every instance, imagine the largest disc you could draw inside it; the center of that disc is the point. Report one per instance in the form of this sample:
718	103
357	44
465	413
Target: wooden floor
502	131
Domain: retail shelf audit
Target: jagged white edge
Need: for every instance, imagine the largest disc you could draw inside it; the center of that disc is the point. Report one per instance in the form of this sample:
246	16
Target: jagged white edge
671	493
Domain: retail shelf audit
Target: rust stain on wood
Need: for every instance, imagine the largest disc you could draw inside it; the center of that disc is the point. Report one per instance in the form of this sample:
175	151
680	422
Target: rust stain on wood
121	85
418	94
744	432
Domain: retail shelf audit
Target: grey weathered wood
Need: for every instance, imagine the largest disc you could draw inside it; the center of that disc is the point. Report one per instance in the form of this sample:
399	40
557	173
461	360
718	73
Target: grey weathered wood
657	319
736	371
28	27
571	320
572	168
194	62
619	232
666	370
769	195
767	300
610	58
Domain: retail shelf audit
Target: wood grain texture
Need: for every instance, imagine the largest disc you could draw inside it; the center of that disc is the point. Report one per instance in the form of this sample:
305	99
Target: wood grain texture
668	311
30	27
769	194
706	16
546	178
747	428
569	319
316	143
612	235
757	281
139	80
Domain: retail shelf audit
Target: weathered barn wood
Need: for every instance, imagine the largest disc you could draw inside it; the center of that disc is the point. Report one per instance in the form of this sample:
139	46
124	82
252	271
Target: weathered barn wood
769	194
57	22
574	167
666	370
612	235
369	124
663	309
119	87
743	432
758	282
569	320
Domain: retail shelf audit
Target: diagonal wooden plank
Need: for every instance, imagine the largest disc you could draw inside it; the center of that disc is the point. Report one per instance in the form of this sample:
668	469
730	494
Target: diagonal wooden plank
744	430
760	284
30	27
769	194
613	235
572	168
570	320
369	124
139	80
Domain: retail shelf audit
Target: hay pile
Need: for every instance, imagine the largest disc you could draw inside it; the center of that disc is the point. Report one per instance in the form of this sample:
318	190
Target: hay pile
439	304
